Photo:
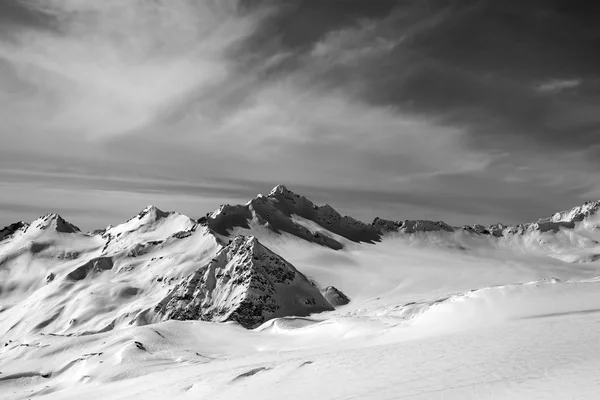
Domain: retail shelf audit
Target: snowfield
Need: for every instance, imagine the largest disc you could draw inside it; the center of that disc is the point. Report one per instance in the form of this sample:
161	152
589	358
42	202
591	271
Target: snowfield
435	312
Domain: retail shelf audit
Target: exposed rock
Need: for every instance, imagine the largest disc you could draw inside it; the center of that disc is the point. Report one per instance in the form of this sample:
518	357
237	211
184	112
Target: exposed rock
477	229
228	217
384	225
275	212
247	283
497	229
10	230
94	266
335	297
276	220
143	248
291	203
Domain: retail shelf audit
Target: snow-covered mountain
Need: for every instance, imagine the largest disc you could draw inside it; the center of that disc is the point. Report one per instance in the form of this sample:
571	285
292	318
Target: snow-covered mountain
207	270
247	283
294	274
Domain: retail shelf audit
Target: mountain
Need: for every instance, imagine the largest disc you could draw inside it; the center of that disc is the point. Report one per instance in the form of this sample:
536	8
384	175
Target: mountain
284	211
280	287
247	283
54	222
578	214
55	278
235	264
149	227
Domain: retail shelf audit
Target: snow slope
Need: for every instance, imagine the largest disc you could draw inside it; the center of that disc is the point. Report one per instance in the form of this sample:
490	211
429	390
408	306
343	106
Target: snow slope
423	310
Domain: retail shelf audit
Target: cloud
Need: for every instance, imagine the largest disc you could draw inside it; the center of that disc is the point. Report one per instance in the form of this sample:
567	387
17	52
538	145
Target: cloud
558	85
352	45
392	110
114	66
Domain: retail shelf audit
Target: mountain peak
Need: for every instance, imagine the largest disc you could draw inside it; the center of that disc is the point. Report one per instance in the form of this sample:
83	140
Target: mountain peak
280	189
56	222
279	211
153	211
247	283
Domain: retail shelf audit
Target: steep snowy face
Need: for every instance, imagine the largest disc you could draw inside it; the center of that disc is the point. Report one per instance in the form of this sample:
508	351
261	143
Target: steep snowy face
150	227
247	283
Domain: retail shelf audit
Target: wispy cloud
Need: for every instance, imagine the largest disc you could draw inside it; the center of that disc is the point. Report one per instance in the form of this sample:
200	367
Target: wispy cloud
558	85
112	66
396	107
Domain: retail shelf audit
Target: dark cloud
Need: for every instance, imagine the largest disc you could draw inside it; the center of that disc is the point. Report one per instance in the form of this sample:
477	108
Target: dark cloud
292	27
481	67
20	14
475	64
298	24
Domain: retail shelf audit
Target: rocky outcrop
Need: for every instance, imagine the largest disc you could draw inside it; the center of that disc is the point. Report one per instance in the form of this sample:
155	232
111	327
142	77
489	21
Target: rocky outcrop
228	217
410	226
335	297
8	231
92	267
247	283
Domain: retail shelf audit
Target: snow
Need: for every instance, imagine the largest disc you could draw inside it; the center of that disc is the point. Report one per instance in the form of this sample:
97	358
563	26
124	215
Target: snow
433	314
454	350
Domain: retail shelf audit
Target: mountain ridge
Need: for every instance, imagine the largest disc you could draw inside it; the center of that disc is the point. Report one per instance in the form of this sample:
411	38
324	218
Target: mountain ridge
161	265
276	208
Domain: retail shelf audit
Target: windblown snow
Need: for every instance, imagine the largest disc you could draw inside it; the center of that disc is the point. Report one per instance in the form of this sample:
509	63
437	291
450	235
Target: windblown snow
282	298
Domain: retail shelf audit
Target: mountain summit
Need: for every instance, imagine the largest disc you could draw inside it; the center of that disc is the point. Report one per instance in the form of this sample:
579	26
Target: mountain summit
55	222
247	283
285	211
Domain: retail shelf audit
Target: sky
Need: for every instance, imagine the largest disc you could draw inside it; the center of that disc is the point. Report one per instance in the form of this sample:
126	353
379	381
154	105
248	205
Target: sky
463	111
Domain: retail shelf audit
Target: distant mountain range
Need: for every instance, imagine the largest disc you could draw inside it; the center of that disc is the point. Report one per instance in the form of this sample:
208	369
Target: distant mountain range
164	265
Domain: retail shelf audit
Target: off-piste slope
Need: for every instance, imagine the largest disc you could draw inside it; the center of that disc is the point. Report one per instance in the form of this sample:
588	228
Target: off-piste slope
31	255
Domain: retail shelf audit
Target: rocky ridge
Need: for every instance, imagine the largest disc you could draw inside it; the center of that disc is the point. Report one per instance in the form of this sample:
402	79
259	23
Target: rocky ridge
276	211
